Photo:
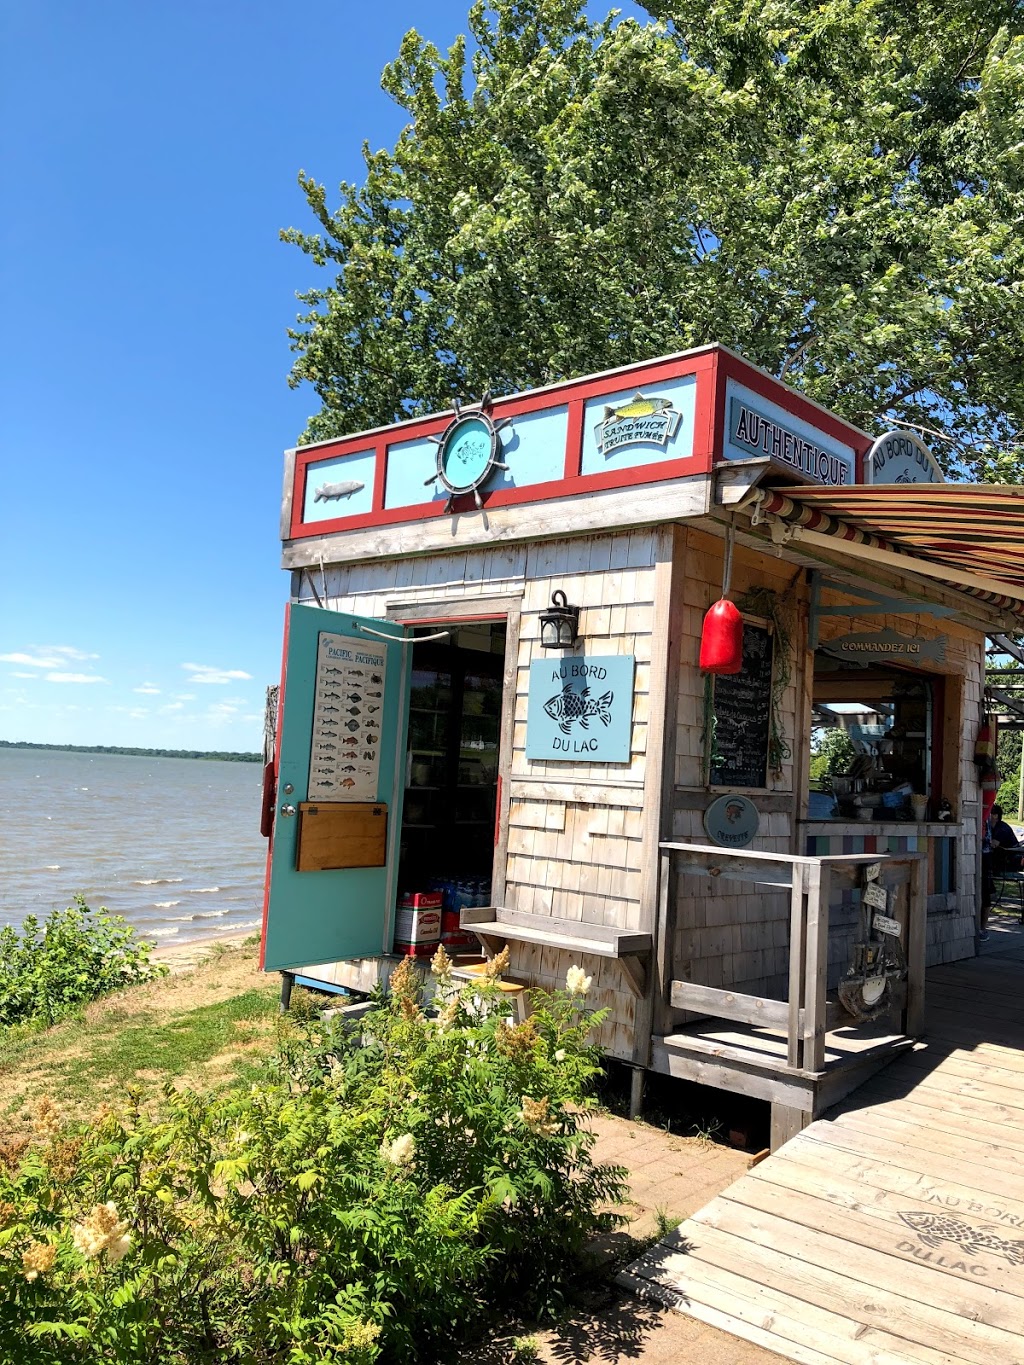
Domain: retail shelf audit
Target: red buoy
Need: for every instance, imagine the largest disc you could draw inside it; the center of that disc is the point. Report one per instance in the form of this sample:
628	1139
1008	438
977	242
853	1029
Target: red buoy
721	641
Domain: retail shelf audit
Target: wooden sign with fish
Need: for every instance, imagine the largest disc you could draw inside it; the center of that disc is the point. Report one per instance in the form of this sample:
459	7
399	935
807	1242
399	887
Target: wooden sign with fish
580	709
641	420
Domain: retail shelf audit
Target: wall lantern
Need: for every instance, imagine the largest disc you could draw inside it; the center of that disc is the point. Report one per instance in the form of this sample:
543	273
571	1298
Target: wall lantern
560	624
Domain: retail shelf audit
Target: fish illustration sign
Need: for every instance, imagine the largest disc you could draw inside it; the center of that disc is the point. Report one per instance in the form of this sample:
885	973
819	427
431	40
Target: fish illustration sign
580	709
641	419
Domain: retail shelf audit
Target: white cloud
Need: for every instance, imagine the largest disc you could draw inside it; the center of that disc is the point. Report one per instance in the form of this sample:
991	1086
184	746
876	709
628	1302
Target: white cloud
147	689
48	656
172	706
184	696
205	673
223	708
74	678
26	675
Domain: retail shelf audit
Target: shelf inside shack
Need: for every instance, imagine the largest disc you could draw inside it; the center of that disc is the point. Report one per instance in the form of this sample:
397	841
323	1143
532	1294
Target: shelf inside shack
447	839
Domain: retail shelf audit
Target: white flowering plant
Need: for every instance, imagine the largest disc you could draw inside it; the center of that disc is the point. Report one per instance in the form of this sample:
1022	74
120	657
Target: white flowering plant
376	1191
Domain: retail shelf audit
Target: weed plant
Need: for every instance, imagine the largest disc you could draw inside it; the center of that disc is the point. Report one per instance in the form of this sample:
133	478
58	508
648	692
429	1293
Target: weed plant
51	969
383	1189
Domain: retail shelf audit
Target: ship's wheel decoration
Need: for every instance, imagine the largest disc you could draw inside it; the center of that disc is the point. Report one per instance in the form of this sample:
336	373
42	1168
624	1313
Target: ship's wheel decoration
467	451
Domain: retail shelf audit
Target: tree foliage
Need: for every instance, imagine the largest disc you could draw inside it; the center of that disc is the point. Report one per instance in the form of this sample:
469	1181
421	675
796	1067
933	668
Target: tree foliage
835	189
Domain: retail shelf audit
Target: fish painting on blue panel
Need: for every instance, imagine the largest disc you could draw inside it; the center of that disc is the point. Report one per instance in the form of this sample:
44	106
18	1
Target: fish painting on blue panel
580	709
339	487
639	426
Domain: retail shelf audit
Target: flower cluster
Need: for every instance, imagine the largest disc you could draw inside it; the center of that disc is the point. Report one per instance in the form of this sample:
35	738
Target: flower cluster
47	1121
102	1232
516	1041
441	965
400	1151
536	1115
576	983
498	966
38	1259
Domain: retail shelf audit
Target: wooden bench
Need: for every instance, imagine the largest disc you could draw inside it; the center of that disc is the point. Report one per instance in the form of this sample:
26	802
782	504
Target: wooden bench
495	926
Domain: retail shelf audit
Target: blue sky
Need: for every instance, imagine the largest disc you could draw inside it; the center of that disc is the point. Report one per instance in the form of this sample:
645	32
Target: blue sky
149	159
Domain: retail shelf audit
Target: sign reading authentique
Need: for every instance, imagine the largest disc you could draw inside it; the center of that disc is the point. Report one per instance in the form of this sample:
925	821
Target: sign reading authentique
580	709
761	433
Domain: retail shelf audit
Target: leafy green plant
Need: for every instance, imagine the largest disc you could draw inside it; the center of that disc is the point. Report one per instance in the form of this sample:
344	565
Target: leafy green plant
51	968
385	1184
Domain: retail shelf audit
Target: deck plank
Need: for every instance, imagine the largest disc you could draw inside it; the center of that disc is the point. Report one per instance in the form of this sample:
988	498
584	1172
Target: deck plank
892	1229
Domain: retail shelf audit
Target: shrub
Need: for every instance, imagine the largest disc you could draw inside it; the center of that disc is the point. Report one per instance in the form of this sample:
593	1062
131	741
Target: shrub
77	954
384	1186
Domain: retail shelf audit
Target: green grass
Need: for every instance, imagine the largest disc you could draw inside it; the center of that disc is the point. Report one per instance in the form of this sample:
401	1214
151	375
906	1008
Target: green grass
79	1063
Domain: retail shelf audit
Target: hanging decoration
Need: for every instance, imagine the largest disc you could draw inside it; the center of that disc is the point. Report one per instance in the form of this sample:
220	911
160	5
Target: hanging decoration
721	641
878	961
985	762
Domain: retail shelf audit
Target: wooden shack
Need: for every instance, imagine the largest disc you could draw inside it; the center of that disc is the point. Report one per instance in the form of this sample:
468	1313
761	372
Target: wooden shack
606	803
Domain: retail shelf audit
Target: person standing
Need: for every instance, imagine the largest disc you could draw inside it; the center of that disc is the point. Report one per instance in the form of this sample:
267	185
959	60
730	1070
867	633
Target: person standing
1005	844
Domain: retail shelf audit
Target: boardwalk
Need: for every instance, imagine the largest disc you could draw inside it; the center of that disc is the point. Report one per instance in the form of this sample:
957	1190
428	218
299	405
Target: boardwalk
893	1230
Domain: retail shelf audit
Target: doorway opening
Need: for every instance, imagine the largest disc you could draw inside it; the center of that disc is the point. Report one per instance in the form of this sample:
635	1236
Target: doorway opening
451	772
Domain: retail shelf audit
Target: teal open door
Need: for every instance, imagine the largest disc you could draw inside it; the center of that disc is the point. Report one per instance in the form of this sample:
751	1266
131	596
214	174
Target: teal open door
341	775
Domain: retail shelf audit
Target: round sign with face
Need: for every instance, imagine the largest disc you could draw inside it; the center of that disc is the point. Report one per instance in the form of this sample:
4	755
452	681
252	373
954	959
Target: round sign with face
466	454
731	821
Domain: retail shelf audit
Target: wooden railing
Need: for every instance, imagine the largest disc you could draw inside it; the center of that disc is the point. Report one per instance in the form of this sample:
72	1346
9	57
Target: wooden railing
803	1017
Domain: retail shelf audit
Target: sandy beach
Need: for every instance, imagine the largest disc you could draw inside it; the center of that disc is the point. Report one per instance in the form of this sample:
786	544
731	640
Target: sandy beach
182	957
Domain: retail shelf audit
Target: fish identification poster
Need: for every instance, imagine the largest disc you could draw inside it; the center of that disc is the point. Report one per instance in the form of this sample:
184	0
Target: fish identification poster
344	760
580	709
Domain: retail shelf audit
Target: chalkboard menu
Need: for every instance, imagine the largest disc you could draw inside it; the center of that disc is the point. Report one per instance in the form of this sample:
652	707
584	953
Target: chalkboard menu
742	714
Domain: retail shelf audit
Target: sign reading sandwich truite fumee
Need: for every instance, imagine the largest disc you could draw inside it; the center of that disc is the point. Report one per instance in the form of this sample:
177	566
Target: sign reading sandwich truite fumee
580	709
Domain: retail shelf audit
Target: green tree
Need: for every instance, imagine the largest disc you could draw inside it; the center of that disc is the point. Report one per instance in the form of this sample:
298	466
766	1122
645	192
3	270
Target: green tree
835	189
832	752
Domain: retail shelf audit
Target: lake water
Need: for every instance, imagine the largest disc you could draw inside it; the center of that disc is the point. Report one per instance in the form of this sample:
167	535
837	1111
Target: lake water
173	844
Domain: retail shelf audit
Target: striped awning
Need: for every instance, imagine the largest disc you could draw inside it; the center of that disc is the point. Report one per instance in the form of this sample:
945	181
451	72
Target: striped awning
971	536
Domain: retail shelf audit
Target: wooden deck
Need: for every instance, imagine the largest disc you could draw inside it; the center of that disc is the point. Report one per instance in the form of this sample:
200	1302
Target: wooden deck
893	1229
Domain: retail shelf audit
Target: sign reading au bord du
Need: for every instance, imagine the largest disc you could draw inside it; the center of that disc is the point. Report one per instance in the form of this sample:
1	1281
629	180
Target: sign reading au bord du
580	709
902	457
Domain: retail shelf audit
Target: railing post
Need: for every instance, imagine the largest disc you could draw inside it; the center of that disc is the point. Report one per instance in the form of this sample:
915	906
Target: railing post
796	965
818	879
917	945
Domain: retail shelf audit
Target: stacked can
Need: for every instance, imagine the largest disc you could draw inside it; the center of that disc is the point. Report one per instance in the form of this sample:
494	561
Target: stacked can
458	894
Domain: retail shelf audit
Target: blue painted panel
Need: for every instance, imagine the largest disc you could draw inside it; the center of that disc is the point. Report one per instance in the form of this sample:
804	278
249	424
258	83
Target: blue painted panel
580	709
533	448
325	916
326	497
756	427
627	441
410	465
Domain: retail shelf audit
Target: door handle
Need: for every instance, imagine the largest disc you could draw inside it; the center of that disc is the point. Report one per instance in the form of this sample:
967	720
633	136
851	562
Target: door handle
287	810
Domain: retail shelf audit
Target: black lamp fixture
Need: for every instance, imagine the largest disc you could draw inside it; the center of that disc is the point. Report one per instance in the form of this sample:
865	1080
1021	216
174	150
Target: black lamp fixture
560	624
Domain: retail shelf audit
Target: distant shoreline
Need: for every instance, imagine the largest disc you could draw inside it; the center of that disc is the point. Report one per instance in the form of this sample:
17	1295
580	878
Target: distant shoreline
219	755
